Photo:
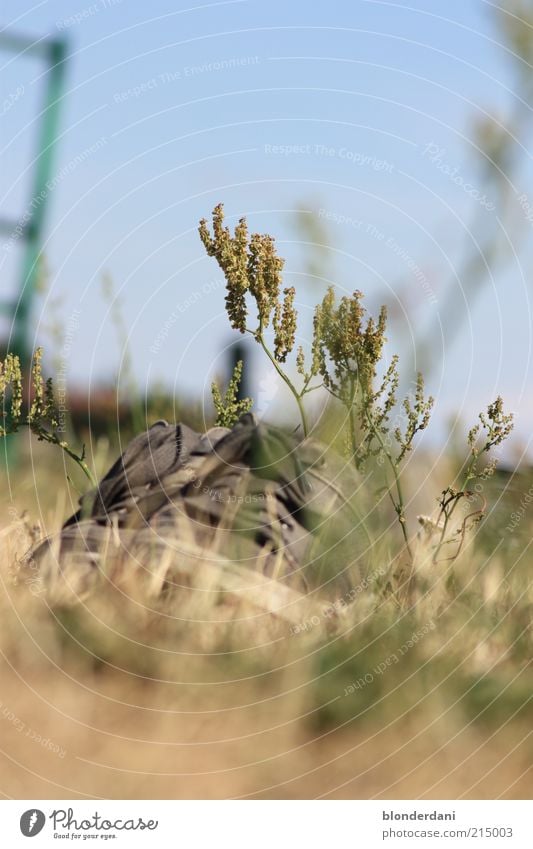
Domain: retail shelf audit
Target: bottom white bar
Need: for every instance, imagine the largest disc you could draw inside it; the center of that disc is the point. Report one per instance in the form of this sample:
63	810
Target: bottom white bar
268	824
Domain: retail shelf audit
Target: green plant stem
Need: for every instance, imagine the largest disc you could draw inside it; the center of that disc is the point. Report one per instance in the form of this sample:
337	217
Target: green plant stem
305	387
353	433
448	513
351	415
399	504
46	436
82	464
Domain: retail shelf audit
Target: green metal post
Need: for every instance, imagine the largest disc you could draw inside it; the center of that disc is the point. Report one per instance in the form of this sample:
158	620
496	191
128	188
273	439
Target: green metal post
34	235
18	311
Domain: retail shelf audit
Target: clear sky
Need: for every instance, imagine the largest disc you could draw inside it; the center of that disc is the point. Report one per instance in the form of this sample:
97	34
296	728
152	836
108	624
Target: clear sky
354	113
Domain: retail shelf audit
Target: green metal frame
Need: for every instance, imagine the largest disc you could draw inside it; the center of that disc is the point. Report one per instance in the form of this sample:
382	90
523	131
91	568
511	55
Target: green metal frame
54	52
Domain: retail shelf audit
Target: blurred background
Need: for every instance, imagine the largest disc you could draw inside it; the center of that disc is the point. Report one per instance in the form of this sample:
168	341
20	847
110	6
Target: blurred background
384	144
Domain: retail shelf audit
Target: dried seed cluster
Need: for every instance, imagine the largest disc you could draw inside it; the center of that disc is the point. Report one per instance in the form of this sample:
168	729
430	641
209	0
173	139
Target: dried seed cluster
228	408
252	266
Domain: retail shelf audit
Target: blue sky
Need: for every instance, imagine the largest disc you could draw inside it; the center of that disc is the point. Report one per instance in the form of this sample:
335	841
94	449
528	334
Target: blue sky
272	108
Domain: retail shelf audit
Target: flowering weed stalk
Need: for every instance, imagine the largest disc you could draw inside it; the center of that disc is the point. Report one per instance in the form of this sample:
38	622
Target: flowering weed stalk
493	427
228	407
345	358
346	350
251	266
